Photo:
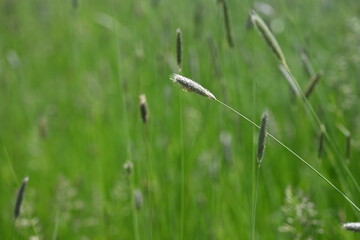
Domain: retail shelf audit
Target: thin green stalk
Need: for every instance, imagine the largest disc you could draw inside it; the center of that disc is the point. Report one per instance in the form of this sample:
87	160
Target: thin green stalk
56	225
125	116
121	83
182	191
254	174
10	165
16	179
315	116
295	154
148	172
255	204
131	183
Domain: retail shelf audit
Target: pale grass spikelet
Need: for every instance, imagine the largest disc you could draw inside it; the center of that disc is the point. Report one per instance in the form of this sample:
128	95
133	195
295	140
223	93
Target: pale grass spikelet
179	48
191	86
262	137
268	36
144	111
19	197
352	226
128	167
139	199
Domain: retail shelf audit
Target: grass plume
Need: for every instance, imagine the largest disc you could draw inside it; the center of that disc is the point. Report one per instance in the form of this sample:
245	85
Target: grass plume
321	141
144	111
352	226
262	137
260	155
191	86
268	37
19	197
179	48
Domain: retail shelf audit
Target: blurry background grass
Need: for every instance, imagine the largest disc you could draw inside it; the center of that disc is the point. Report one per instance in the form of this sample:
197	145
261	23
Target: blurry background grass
70	76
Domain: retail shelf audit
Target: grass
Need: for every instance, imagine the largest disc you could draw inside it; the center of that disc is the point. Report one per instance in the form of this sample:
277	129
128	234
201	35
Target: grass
78	73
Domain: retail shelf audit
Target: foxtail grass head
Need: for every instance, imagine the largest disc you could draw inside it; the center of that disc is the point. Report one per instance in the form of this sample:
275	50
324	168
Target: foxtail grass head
262	137
144	111
128	167
191	86
179	48
19	197
229	36
352	226
268	36
139	199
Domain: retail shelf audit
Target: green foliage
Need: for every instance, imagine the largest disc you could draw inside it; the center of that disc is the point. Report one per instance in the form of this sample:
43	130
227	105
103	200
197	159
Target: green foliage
71	73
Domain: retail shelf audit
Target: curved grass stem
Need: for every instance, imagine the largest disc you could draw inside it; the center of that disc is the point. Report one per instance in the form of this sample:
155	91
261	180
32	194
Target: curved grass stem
295	154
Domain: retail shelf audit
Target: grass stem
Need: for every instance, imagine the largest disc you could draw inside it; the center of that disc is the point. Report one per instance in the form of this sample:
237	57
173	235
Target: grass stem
253	218
295	154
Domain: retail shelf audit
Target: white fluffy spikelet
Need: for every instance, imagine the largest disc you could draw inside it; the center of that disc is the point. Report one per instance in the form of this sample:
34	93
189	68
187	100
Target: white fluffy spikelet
191	86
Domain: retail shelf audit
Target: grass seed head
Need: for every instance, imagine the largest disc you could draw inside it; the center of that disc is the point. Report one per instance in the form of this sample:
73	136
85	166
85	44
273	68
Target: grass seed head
262	137
191	86
179	48
227	24
352	226
321	141
19	197
268	36
144	111
139	199
128	167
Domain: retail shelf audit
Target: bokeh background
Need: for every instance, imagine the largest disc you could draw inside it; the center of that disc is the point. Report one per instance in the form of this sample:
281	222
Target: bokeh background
71	73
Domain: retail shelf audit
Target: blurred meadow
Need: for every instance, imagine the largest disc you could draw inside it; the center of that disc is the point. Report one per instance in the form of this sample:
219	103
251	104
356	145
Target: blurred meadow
71	73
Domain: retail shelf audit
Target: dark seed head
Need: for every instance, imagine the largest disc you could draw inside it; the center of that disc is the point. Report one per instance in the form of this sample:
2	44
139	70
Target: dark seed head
179	48
144	111
262	137
19	197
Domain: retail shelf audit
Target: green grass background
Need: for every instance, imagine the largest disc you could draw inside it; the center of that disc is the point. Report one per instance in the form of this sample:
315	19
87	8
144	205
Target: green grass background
77	72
